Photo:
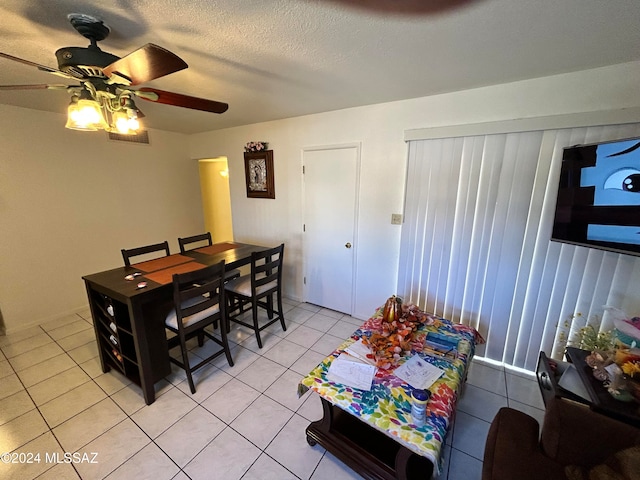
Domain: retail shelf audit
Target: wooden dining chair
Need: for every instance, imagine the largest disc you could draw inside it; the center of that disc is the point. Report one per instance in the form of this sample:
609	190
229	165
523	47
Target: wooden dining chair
134	252
203	237
256	290
198	301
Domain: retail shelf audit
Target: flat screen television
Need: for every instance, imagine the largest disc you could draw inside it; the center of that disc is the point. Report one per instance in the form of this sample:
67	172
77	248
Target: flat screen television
599	196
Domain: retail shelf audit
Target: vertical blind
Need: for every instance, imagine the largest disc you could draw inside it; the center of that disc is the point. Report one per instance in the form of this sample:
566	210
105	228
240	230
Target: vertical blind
476	247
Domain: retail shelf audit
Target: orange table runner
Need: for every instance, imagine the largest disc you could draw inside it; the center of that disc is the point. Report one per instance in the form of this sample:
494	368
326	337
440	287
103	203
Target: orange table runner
160	263
217	248
166	276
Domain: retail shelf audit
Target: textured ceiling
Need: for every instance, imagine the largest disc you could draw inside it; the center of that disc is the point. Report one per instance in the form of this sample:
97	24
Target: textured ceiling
273	59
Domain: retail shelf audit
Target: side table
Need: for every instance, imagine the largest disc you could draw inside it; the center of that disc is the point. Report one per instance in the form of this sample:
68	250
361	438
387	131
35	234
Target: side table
599	399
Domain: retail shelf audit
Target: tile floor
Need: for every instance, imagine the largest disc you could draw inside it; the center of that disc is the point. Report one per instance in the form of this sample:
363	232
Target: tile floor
244	422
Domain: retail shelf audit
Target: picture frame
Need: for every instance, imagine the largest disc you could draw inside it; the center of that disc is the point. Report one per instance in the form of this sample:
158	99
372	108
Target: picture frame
258	171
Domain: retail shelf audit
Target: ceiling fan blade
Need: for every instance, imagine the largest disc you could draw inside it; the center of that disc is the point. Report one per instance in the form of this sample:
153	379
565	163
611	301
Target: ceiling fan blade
179	100
44	68
145	64
43	86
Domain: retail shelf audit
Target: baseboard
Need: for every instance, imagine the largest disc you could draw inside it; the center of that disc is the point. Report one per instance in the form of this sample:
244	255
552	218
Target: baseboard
24	326
291	298
503	366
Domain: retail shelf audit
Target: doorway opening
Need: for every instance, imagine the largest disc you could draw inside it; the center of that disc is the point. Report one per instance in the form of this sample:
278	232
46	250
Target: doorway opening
216	198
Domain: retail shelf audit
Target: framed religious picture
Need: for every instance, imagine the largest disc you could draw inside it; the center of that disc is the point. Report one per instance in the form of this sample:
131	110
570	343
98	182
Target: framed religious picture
258	170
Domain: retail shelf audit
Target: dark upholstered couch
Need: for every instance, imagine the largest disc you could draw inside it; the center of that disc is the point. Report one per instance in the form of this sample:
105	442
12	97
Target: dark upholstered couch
572	434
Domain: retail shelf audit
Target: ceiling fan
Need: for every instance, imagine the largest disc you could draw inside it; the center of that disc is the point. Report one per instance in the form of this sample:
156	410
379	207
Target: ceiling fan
104	97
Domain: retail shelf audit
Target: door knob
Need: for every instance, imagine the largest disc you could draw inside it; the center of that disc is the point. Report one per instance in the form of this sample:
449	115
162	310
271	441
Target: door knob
348	245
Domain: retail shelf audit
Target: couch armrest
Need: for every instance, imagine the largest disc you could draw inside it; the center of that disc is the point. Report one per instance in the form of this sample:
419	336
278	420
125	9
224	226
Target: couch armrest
572	434
512	450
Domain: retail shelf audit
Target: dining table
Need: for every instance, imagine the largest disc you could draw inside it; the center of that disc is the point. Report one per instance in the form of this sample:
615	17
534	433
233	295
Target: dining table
129	304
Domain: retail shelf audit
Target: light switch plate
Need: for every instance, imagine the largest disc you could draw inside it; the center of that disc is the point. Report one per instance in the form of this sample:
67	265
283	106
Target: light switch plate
396	219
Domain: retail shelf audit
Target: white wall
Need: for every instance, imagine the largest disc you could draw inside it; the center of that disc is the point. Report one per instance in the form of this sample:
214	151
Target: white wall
380	129
69	201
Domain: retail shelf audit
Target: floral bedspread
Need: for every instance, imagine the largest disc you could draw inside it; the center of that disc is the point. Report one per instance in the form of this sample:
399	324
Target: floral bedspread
387	406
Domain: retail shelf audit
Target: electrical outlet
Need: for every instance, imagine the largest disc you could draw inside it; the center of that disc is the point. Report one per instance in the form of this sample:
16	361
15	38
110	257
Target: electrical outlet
396	219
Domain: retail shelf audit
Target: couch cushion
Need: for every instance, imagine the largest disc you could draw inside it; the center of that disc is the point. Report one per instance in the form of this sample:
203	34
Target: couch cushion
623	465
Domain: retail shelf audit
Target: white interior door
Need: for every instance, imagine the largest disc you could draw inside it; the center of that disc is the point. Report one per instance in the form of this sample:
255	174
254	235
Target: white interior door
330	203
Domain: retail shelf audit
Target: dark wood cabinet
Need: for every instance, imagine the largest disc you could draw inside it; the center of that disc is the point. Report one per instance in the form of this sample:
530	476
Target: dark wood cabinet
548	373
366	450
114	335
137	351
599	400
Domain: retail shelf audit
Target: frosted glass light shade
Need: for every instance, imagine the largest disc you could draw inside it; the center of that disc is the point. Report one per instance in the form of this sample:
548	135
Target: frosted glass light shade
85	115
125	123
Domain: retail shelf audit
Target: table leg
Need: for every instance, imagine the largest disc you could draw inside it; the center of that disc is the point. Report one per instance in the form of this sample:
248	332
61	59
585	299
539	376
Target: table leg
366	450
402	462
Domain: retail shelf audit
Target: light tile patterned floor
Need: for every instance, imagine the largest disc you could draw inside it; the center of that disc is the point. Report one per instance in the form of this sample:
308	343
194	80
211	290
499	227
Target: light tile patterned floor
244	422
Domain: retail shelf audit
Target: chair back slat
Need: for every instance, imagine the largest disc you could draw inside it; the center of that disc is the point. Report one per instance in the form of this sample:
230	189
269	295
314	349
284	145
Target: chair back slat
266	266
188	311
206	284
127	254
203	237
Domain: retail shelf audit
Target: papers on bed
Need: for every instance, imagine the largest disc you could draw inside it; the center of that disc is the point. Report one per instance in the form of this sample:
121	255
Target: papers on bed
418	372
352	372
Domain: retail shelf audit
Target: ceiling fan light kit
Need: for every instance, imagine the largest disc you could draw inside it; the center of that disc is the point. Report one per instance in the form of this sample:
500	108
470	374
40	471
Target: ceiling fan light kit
84	114
97	106
104	98
103	108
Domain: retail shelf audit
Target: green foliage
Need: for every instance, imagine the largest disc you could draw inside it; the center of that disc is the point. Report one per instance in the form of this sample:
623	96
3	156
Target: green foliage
588	338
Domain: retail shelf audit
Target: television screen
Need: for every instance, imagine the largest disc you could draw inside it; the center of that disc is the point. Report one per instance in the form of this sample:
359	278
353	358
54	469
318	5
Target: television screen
599	196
